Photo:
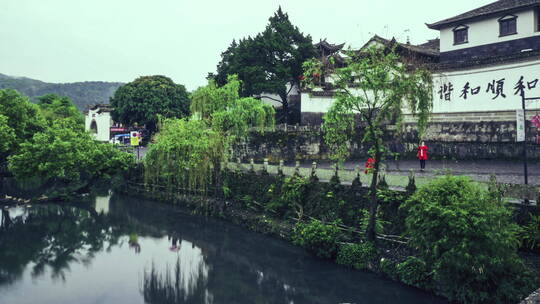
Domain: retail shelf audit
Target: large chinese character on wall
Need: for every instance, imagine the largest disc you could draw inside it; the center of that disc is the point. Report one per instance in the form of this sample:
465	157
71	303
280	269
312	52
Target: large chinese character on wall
489	89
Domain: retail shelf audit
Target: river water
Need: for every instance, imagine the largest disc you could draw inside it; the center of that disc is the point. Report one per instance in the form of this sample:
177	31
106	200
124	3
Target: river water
119	249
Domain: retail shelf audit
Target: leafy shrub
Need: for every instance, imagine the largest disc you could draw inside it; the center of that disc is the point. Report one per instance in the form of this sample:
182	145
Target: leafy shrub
379	222
294	192
318	238
413	271
358	256
389	268
530	233
467	242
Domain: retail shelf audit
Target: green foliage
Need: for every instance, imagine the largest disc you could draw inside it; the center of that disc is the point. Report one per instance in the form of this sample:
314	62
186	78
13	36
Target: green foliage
530	233
142	100
185	154
243	114
269	61
373	87
358	256
54	107
467	242
382	87
414	271
379	223
210	98
7	135
294	194
188	154
67	158
21	119
389	268
318	238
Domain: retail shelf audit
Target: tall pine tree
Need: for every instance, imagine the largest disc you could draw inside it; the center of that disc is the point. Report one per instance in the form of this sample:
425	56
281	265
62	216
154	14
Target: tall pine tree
268	62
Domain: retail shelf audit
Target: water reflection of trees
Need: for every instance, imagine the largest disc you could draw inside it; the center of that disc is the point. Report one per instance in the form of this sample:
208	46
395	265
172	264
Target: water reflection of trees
175	286
52	237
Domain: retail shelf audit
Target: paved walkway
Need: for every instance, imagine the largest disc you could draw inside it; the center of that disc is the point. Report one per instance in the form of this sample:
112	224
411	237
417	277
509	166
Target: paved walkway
480	170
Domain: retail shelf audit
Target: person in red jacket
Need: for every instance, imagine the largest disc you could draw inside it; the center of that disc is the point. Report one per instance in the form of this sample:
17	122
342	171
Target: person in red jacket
422	155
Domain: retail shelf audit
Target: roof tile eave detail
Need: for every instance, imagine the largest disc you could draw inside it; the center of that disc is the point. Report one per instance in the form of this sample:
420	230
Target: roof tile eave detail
486	10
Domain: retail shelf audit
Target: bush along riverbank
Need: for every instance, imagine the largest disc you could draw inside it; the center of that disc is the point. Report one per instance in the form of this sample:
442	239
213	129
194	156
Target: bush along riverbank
448	237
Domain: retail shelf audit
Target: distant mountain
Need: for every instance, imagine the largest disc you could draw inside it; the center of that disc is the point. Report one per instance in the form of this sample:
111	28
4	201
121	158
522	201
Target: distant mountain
83	94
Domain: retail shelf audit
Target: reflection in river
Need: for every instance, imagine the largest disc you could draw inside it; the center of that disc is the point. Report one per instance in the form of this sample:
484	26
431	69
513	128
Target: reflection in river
124	250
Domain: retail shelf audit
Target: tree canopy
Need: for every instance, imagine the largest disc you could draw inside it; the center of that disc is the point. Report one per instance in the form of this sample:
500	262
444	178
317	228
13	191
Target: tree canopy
467	242
371	90
47	143
268	62
19	120
188	153
67	158
142	100
55	107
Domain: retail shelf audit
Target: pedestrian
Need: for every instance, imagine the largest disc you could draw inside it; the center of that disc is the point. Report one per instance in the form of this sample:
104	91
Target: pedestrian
422	155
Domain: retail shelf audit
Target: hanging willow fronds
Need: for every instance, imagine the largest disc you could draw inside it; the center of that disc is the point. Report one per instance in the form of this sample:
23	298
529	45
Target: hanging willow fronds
185	154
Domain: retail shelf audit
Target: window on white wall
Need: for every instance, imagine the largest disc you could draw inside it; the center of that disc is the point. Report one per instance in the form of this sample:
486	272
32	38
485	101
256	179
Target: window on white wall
461	34
508	25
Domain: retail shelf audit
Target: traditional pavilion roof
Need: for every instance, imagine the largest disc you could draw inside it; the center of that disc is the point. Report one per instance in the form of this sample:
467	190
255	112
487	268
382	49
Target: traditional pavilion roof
485	11
327	48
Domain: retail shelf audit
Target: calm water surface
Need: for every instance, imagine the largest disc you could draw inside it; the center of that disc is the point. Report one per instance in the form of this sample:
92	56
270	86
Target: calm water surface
124	250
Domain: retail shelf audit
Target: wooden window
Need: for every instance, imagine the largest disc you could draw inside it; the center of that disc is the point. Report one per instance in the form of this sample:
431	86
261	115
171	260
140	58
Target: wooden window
508	25
461	34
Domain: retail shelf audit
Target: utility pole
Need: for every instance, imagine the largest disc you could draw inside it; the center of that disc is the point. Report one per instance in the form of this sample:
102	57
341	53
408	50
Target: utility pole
524	110
525	171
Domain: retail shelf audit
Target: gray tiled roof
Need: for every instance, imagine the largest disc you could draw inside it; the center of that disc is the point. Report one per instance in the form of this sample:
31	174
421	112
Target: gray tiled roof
486	10
430	49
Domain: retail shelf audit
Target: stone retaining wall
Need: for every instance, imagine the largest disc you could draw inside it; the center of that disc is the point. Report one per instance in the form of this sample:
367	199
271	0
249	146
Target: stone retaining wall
446	140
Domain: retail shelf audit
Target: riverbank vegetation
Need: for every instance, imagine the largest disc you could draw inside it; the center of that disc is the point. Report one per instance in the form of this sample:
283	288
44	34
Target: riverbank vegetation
450	237
46	145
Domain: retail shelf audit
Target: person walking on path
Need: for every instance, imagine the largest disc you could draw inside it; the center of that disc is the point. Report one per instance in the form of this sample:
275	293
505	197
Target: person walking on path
422	155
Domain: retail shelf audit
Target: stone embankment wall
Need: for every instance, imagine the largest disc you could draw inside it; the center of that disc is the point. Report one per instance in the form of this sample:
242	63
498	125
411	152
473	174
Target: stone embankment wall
451	137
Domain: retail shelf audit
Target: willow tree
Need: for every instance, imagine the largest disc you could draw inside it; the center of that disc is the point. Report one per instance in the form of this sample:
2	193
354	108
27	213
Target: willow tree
189	153
372	89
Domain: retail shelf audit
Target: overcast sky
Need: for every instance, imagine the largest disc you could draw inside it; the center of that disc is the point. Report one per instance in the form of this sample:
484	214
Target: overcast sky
119	40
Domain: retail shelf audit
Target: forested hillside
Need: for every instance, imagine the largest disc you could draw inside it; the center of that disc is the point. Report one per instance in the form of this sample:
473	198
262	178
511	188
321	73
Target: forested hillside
82	93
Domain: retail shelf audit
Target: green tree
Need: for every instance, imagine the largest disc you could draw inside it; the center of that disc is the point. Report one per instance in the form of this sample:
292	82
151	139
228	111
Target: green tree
268	62
7	136
186	154
142	100
372	88
210	98
468	243
19	120
190	153
54	107
67	159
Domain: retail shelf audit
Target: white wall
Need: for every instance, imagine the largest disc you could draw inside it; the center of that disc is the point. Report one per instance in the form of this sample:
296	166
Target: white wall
483	101
487	31
272	99
103	121
315	104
